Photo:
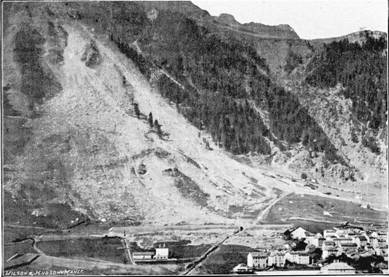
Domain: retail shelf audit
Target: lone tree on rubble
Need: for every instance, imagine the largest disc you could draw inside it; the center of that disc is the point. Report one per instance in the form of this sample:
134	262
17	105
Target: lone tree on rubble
158	128
150	119
136	109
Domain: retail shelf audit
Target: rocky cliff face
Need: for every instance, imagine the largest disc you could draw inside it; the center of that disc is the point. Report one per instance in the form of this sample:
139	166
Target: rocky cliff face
127	112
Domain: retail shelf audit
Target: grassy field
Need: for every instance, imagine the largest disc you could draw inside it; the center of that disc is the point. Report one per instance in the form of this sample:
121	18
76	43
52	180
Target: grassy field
14	243
180	249
225	259
300	208
10	249
108	249
313	226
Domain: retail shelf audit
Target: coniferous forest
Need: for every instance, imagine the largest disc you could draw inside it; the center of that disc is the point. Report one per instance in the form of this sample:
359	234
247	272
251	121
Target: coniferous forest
361	69
224	84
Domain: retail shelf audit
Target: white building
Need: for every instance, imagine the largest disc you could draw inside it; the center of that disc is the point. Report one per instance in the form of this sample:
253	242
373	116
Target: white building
346	246
146	255
339	240
328	233
161	253
337	268
374	234
373	241
382	243
257	260
361	241
331	237
299	233
369	248
328	251
298	257
315	240
340	232
383	235
381	251
303	258
276	259
351	234
328	244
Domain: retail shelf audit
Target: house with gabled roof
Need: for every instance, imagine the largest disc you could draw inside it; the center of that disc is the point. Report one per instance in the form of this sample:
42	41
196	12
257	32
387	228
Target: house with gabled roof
300	233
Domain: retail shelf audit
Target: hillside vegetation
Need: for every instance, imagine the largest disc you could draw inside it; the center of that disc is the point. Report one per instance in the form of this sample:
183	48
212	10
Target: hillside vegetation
361	70
214	96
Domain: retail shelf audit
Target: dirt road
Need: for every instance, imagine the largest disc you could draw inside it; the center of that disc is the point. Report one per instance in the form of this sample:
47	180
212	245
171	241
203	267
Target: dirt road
263	214
28	227
127	249
209	252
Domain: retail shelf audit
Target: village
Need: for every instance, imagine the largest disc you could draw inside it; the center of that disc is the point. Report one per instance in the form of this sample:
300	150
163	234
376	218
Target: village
341	250
344	249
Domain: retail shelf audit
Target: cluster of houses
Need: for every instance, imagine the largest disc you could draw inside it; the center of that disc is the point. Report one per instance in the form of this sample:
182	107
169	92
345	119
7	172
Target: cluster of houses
353	242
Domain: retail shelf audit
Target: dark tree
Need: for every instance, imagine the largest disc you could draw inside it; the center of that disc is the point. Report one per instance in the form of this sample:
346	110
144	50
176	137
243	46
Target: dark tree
158	128
136	109
150	119
300	245
287	235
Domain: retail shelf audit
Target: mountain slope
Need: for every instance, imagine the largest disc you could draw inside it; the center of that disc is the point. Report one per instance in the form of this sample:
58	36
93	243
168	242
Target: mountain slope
79	136
344	88
88	149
